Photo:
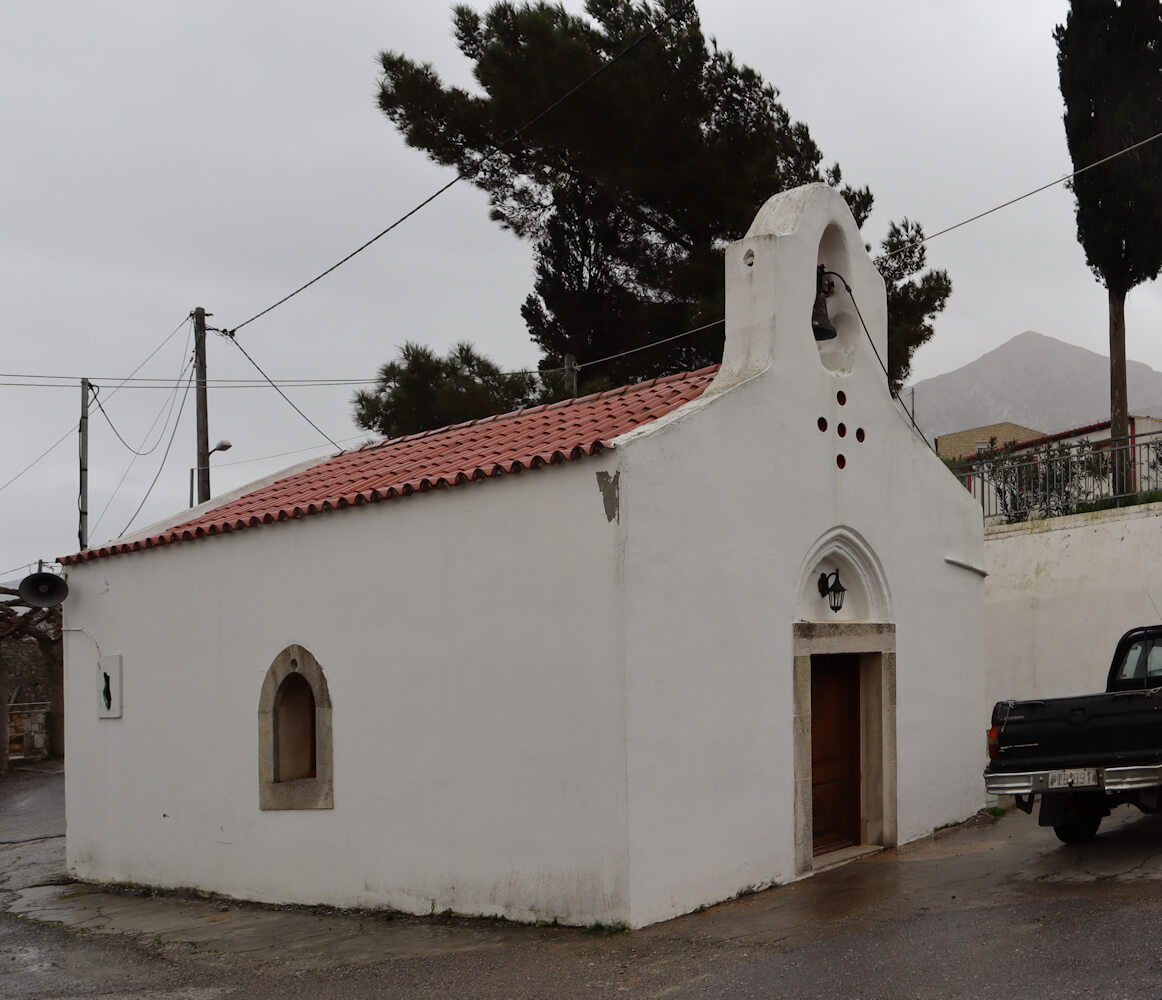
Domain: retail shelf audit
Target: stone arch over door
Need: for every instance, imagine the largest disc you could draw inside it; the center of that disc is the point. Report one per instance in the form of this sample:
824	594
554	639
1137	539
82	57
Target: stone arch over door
868	596
862	631
295	768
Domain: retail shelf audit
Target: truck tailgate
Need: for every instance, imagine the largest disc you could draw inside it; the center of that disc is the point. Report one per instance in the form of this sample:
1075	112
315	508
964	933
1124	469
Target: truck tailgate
1097	730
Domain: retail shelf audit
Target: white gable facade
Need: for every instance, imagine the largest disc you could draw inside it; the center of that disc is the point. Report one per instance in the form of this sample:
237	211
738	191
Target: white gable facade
603	691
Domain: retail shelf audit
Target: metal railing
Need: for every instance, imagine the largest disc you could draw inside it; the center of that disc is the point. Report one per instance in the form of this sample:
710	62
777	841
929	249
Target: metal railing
1067	478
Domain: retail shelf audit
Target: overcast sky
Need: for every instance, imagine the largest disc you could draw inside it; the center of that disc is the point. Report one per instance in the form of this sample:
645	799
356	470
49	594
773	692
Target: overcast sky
162	156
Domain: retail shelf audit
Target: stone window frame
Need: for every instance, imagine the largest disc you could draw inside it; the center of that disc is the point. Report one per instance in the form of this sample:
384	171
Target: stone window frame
302	793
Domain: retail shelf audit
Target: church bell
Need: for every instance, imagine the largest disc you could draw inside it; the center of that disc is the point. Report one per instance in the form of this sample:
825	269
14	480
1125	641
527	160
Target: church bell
820	321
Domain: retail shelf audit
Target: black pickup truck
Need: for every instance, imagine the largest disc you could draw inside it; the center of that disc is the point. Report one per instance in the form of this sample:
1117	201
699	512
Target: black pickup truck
1085	755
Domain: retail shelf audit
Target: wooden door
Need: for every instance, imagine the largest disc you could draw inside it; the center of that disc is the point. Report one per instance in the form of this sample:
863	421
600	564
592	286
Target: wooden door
835	775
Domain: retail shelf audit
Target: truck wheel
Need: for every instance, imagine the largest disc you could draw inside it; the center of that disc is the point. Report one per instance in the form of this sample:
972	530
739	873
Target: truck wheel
1078	828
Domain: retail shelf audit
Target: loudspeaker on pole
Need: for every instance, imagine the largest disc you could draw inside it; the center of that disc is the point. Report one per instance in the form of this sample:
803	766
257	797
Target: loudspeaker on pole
43	590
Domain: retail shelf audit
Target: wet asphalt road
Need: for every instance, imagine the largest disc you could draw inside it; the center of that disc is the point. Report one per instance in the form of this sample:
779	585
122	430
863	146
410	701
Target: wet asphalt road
989	909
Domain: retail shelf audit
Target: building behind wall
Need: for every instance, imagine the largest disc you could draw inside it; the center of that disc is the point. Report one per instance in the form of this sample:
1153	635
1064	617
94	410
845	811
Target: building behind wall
605	689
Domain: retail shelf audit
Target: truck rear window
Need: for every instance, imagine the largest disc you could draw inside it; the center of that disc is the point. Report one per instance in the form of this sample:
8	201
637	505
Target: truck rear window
1141	665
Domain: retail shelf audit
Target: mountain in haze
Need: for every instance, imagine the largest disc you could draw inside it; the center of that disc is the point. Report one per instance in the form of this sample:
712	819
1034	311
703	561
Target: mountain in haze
1032	380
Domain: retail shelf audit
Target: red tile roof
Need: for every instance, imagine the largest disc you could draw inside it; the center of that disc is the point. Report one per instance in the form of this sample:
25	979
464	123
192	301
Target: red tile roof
449	456
1103	425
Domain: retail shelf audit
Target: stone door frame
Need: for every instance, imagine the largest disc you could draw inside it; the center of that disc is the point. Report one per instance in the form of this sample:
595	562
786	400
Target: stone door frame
876	645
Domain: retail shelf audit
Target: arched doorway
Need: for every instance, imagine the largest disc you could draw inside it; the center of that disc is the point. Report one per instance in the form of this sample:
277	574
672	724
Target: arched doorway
845	704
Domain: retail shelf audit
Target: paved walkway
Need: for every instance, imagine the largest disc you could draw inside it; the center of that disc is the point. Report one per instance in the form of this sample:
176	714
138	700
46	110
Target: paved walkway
237	949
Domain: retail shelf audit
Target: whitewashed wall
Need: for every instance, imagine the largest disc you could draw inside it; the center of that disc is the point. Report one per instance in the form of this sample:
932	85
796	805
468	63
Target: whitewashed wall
1061	592
467	639
721	504
540	712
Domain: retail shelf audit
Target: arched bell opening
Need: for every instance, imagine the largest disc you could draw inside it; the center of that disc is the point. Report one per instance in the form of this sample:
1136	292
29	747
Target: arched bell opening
834	323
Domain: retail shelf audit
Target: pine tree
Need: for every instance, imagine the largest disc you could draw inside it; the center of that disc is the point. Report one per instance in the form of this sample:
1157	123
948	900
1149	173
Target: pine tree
630	187
419	391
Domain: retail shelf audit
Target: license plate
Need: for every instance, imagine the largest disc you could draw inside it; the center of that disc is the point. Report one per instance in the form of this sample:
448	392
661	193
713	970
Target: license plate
1078	777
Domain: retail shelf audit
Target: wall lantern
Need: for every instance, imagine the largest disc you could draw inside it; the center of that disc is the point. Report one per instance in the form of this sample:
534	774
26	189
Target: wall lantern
832	589
820	322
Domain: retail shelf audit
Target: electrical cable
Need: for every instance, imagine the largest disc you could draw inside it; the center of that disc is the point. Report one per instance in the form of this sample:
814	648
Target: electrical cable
23	566
44	454
150	356
69	381
59	441
1027	194
461	176
139	454
941	232
215	384
173	434
239	383
283	454
465	174
886	256
645	347
187	363
875	350
169	403
283	394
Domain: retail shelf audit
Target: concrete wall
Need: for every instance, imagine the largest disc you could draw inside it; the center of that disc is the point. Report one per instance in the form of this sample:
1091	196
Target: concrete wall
468	638
1061	592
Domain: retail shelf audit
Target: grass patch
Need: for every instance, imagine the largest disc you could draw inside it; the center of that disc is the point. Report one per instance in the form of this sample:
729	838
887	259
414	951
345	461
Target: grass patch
605	930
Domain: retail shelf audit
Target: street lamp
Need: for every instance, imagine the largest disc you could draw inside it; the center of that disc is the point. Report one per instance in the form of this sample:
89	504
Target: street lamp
220	446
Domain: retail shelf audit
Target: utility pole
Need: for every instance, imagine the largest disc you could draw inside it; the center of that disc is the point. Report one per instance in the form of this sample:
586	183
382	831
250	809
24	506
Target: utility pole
571	370
83	499
203	462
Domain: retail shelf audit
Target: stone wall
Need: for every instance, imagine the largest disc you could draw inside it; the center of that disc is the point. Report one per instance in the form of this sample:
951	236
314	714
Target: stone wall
28	731
27	678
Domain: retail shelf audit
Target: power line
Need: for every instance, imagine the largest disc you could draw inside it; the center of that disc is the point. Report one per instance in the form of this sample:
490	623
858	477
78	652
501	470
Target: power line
22	566
310	383
169	402
152	382
112	427
59	441
1027	194
150	356
283	394
167	409
36	461
164	456
875	350
656	343
250	383
283	454
223	383
465	174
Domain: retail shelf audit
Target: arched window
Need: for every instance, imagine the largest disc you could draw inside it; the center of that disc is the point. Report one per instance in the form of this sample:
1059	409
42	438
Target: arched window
294	734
